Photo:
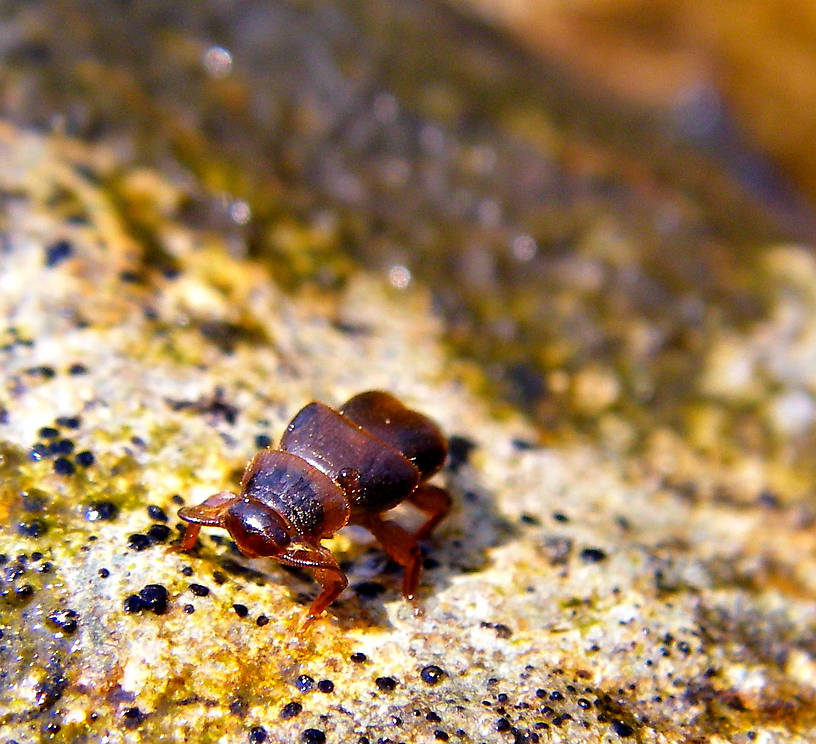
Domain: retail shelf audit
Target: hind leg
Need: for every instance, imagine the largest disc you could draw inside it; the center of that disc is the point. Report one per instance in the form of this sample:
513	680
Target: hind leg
435	502
401	546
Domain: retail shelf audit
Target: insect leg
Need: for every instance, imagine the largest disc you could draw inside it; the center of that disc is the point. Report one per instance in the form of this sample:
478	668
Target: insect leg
208	513
435	502
326	571
401	546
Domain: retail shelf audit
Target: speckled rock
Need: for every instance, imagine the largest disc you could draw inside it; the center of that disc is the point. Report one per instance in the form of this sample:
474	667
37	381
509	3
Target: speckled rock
573	595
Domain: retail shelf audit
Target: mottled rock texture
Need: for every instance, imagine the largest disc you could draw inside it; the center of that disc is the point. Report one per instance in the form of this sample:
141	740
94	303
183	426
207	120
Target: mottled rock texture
575	594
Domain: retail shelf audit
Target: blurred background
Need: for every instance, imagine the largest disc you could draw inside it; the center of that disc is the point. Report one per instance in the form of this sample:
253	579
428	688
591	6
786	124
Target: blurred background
715	69
588	189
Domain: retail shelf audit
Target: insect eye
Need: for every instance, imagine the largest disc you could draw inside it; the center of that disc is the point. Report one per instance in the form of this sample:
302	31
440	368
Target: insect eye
256	528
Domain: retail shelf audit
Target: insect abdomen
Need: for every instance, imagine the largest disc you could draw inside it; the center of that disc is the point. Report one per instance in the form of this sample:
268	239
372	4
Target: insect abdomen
332	443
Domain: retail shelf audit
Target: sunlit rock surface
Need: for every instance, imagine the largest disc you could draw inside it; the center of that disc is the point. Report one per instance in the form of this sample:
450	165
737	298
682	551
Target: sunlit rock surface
573	595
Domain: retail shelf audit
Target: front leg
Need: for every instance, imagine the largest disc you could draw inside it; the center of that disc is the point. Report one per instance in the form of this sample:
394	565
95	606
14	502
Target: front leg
327	573
209	513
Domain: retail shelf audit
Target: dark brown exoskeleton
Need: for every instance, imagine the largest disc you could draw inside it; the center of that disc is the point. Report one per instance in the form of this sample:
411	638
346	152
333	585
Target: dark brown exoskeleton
334	468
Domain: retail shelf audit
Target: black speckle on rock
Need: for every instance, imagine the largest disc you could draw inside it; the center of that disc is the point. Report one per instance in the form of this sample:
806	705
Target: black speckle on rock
24	592
158	532
432	674
560	517
459	449
189	609
257	735
304	683
441	735
63	466
38	452
132	717
261	620
522	445
592	555
133	604
69	422
57	252
85	459
77	369
386	684
215	407
154	597
368	589
156	513
358	657
49	690
47	432
14	571
290	710
239	707
621	728
32	528
768	499
199	590
43	371
138	541
313	736
325	685
262	441
103	573
351	329
240	610
502	725
65	620
502	630
530	519
61	447
101	511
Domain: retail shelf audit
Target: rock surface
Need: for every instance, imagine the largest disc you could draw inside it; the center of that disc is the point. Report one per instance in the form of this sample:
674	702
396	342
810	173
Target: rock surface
573	595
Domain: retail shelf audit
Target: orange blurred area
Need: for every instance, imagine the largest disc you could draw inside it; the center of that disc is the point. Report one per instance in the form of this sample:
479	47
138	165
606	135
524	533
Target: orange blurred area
758	56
